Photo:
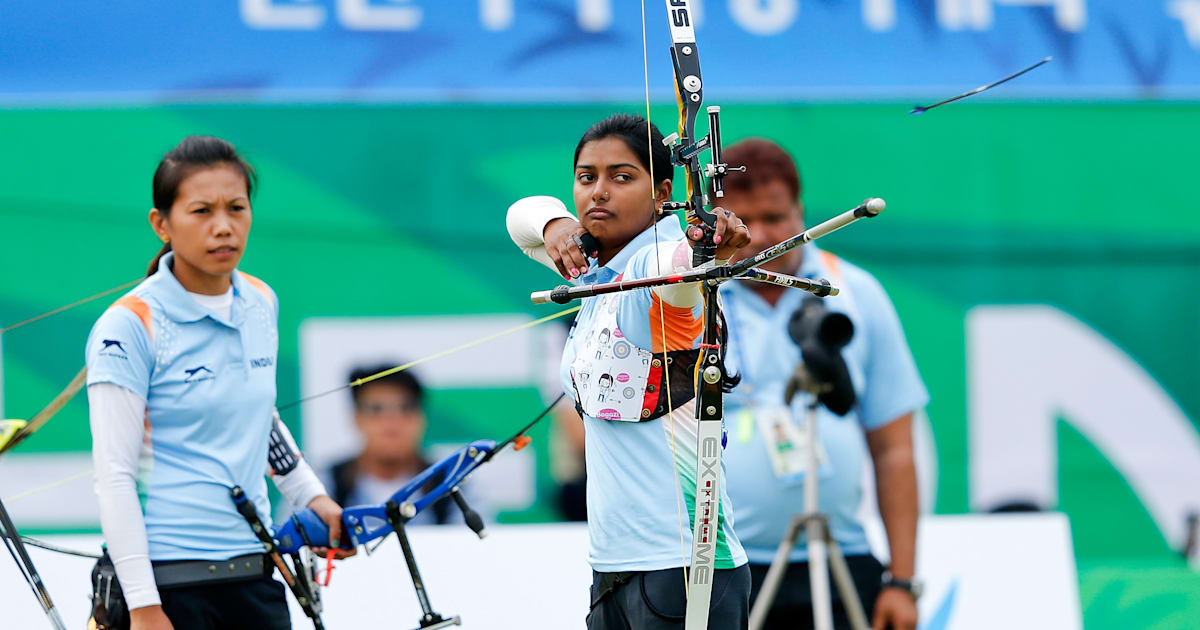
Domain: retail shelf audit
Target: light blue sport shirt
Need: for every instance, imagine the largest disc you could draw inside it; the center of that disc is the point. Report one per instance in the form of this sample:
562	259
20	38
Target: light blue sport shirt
885	379
633	519
209	386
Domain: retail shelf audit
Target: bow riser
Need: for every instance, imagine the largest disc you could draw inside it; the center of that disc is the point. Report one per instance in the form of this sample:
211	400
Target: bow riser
710	370
689	93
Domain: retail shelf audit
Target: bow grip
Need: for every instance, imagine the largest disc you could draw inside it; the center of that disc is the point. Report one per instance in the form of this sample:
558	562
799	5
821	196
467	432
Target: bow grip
704	250
304	529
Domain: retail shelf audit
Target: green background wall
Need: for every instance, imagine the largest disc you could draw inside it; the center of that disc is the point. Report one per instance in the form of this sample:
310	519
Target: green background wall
399	210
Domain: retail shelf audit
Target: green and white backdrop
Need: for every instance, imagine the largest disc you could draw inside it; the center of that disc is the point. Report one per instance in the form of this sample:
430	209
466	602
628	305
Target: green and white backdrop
1043	257
1043	251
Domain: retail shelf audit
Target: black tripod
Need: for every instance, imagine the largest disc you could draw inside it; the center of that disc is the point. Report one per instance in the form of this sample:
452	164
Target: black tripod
824	554
823	374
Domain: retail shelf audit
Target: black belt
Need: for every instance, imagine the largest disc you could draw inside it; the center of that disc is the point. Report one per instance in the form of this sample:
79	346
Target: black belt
195	572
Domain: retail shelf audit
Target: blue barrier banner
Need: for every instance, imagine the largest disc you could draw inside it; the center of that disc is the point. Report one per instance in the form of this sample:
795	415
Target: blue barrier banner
81	51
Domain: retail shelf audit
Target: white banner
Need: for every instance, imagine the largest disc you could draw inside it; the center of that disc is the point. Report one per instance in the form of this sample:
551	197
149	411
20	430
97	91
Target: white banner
981	572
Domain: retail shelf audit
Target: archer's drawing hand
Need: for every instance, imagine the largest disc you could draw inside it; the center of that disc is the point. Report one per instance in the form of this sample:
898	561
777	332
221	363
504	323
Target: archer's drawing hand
149	618
730	233
563	250
331	513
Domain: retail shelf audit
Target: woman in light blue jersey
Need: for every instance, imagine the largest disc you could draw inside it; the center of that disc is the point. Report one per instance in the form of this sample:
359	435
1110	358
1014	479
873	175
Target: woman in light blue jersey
181	391
639	418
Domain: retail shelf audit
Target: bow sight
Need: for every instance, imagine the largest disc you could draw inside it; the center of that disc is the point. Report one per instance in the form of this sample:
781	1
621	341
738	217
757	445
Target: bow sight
687	155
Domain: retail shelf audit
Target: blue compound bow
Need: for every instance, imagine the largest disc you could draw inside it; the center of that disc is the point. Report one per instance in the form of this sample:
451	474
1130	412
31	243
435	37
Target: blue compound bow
363	524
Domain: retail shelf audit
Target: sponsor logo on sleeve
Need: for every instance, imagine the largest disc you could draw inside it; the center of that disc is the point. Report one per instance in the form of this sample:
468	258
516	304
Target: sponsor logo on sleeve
113	348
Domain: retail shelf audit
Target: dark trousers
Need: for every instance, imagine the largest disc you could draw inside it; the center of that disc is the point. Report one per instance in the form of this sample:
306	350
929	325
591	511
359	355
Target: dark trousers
655	600
792	609
257	604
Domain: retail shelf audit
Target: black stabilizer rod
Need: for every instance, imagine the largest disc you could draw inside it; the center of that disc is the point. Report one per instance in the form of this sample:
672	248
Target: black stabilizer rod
867	209
12	540
469	515
299	588
429	618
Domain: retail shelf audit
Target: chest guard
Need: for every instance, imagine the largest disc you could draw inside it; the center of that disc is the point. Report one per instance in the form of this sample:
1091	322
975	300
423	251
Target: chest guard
616	380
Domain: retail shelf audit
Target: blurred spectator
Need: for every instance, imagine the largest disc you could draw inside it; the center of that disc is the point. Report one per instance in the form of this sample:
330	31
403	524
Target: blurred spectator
389	413
566	462
765	457
566	432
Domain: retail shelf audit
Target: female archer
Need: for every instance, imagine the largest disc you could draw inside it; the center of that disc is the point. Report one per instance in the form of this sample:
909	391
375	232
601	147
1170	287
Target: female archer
641	428
181	392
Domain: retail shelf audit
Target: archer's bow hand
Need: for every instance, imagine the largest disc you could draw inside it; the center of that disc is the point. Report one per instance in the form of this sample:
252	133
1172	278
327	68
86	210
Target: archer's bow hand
331	514
729	233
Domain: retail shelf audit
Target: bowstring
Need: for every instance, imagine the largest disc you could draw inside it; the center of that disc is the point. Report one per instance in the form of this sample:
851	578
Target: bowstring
437	355
67	307
662	317
60	401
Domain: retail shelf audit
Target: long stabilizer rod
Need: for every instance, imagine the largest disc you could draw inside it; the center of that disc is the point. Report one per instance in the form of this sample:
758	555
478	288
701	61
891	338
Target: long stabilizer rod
867	209
12	540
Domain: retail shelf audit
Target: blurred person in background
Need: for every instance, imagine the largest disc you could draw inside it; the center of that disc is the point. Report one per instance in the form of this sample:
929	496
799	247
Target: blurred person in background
566	436
567	462
389	412
766	488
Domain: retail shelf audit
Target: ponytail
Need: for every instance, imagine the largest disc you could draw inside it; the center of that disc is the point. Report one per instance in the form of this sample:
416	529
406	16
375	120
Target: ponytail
153	268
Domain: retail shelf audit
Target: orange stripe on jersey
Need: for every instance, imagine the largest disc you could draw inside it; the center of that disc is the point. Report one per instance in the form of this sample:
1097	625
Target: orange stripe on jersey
259	285
682	326
833	264
139	308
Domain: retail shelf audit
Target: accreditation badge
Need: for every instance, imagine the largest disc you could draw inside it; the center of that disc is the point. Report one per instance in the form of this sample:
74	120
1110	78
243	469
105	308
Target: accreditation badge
786	443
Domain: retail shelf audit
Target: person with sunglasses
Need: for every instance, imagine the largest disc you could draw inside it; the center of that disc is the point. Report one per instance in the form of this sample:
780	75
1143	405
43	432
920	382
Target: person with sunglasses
389	413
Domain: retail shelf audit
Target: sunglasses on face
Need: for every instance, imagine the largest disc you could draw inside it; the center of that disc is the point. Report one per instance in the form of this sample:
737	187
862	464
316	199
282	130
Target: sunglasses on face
378	409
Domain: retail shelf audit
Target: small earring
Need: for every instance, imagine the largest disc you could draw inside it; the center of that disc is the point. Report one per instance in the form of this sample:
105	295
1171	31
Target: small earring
166	240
